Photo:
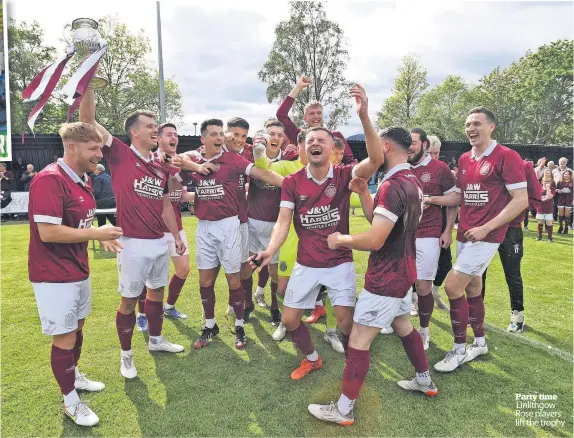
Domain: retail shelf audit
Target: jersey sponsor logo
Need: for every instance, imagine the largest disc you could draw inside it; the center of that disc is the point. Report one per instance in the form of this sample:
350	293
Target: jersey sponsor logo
485	169
88	220
175	196
264	186
425	177
216	167
330	191
81	198
303	198
209	190
149	187
474	196
321	217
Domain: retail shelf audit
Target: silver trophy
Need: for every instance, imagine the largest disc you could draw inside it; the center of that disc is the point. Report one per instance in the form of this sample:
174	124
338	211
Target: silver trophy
86	40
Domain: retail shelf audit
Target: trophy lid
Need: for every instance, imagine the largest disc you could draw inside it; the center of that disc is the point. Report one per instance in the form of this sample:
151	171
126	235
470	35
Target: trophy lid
80	22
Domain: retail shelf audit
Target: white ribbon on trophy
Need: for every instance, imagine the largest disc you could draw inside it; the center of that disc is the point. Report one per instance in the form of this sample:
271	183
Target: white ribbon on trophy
88	44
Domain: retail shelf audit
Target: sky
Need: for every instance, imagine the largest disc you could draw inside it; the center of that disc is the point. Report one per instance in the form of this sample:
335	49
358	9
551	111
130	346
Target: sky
214	49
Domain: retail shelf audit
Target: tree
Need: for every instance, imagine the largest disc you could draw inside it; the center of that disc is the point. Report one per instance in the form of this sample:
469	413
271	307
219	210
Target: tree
28	56
401	108
309	44
442	110
132	85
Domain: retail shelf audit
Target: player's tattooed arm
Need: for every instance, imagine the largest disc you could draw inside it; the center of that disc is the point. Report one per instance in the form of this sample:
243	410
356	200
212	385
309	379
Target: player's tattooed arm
371	240
366	168
361	188
268	176
88	114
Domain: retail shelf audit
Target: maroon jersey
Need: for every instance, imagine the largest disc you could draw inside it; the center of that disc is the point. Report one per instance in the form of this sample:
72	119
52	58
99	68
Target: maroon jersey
264	199
174	197
485	182
565	195
216	193
139	185
59	196
291	131
533	194
392	269
546	205
319	208
436	179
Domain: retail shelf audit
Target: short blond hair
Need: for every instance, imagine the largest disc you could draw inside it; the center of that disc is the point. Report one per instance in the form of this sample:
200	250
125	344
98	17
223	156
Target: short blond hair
312	104
80	132
434	141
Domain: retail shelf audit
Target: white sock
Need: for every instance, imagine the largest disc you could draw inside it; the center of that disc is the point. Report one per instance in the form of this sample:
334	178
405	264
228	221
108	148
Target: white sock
319	303
126	353
239	322
424	331
168	306
345	404
259	291
155	339
423	378
141	314
459	348
210	323
313	357
435	290
72	398
77	372
480	340
331	330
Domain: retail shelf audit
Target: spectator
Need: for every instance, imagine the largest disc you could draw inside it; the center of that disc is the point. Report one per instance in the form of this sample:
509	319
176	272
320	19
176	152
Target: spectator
8	179
18	169
27	176
104	195
434	148
559	171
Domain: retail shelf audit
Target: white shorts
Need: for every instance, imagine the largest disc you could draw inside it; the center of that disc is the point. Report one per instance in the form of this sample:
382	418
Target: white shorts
544	216
260	236
61	305
244	238
472	258
171	244
305	282
142	262
218	243
379	311
428	253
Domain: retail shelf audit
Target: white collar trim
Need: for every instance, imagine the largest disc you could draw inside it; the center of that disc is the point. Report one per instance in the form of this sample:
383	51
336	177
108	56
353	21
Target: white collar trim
138	153
486	153
424	162
398	167
310	175
75	177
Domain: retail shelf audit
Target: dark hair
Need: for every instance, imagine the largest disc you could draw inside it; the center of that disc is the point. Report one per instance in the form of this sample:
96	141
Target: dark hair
165	125
210	122
483	110
301	136
133	119
339	143
274	122
422	135
397	135
238	122
318	128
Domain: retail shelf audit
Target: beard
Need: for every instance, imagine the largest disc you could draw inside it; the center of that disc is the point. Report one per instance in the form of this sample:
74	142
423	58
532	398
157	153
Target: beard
416	158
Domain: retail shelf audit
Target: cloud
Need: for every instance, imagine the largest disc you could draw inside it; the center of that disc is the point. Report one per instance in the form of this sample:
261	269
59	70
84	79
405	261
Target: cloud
214	50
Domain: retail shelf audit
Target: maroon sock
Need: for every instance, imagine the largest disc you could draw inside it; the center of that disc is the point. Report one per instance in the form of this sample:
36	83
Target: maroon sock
345	342
413	345
154	314
263	277
141	301
549	230
426	304
459	319
356	369
78	346
125	325
208	301
274	303
540	227
175	286
247	285
476	315
560	221
63	368
302	339
237	301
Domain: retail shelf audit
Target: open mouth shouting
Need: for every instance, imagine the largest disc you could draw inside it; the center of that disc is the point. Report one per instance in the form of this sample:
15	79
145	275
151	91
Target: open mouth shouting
316	151
472	136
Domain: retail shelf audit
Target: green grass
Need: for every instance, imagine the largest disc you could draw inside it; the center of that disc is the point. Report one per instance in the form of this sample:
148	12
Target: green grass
220	391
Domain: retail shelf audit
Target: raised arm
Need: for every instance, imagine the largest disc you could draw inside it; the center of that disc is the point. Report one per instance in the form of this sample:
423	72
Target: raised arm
283	111
366	168
361	188
88	113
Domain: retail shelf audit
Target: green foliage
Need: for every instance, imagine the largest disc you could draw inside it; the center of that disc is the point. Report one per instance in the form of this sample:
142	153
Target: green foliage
309	44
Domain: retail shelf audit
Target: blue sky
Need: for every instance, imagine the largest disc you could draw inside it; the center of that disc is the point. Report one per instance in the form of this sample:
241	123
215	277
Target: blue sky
215	49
